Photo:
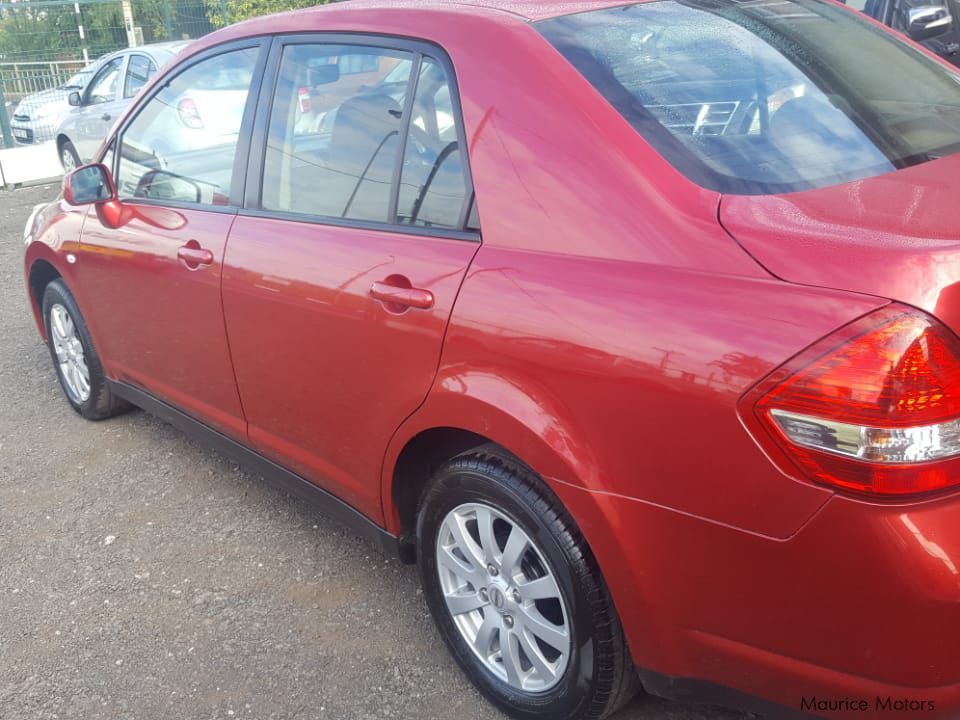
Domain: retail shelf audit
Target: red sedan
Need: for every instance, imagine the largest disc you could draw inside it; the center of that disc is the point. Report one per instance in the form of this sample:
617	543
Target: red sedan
634	324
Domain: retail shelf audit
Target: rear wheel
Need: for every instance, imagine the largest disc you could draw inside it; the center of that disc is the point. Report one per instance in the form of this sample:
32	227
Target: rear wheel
516	593
69	158
74	356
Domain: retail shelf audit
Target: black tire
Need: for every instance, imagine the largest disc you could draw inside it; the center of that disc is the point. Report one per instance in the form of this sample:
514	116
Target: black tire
100	403
599	676
68	150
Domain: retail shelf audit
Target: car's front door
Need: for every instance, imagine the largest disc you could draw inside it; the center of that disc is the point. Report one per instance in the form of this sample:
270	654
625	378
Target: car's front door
337	289
152	284
99	106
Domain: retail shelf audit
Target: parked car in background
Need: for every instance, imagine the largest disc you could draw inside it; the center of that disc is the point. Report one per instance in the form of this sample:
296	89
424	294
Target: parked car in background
199	117
933	23
36	117
639	335
94	108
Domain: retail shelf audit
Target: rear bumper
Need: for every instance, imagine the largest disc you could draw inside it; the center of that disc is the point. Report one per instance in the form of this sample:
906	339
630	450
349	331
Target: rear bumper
862	603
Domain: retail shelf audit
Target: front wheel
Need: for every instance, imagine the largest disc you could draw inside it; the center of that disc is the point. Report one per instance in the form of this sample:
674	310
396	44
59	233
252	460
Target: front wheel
74	356
516	593
69	157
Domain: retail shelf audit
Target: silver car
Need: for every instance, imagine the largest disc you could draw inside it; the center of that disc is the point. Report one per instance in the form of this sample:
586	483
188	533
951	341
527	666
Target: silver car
36	117
94	109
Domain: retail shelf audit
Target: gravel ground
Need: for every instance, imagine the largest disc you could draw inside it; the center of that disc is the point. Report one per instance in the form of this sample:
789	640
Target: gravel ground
142	576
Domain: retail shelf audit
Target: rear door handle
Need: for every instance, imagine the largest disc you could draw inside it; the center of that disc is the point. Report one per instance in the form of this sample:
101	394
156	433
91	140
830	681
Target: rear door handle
194	256
106	117
397	297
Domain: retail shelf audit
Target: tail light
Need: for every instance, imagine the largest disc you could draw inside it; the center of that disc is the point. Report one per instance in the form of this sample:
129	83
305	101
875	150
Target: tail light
189	114
873	408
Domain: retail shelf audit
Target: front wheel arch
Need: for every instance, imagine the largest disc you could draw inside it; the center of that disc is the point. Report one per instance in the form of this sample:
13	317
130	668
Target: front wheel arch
42	273
62	143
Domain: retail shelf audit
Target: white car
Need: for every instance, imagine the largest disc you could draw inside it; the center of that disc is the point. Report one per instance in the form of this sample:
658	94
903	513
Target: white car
94	108
36	117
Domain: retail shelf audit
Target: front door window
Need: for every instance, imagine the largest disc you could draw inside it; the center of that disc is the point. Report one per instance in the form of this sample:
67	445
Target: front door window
181	145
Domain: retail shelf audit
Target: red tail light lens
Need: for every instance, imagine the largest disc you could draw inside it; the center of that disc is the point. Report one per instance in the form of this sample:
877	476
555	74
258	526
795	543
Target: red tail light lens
873	408
189	114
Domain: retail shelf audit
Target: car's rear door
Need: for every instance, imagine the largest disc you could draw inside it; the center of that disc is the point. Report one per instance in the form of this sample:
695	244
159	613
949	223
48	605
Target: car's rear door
152	280
337	287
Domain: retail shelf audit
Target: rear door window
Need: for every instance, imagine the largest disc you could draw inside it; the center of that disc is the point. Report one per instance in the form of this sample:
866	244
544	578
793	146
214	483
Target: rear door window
335	131
347	140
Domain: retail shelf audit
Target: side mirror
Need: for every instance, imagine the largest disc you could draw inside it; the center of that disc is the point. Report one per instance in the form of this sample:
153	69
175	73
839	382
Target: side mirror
927	21
163	185
74	99
90	184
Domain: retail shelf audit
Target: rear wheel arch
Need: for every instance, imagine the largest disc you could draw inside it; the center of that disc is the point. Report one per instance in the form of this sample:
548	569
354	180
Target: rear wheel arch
467	409
451	422
518	428
425	453
419	459
428	450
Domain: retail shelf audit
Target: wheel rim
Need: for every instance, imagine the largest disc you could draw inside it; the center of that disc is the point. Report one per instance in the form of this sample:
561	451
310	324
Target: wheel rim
66	157
70	356
503	597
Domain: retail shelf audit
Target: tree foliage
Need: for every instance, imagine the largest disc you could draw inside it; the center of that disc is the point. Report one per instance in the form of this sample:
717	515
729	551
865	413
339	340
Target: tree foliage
238	10
32	32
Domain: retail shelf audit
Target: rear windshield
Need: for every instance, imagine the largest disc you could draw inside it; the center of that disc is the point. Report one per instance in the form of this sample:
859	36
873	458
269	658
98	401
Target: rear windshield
766	96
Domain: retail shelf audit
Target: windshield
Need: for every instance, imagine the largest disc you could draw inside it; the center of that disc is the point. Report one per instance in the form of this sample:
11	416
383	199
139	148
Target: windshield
765	97
79	81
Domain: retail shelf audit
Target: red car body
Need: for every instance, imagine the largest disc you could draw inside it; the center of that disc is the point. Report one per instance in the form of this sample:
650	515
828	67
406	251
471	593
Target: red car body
604	331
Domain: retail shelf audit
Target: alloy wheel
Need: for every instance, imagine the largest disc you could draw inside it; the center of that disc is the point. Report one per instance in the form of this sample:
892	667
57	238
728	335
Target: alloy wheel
70	354
67	160
503	597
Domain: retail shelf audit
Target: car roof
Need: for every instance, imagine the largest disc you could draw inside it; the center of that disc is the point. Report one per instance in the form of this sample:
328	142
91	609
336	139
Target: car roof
173	46
403	17
152	49
525	10
531	10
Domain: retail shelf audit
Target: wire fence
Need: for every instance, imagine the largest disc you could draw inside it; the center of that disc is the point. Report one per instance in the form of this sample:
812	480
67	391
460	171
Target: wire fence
49	48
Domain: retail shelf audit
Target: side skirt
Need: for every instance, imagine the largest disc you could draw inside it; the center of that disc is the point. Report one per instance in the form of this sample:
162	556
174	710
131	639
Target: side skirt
326	502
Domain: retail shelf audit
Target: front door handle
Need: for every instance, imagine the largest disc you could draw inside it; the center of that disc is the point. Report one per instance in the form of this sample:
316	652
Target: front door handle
106	117
194	256
397	294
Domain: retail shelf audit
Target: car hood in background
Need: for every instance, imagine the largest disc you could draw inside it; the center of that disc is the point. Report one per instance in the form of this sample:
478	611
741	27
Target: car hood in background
30	104
895	235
